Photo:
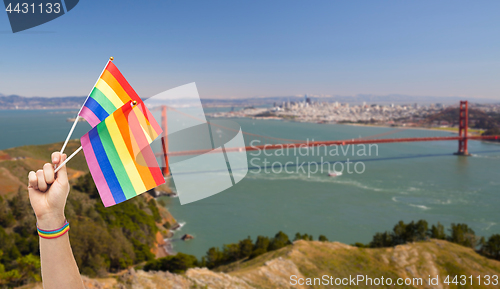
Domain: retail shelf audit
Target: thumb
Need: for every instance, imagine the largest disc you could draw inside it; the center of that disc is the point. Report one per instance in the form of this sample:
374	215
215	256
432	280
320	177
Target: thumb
62	174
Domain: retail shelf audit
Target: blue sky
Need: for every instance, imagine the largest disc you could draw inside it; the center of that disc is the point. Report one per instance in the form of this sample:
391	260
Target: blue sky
262	48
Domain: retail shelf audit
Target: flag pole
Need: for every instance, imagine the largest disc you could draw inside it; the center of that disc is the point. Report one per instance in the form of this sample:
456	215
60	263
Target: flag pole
70	132
78	114
67	160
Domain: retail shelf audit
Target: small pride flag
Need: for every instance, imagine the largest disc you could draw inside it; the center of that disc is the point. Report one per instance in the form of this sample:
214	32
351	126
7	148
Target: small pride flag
119	155
110	93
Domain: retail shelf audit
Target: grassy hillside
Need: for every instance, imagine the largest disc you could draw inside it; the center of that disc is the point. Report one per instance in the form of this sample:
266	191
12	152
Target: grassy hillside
477	118
16	163
313	259
104	240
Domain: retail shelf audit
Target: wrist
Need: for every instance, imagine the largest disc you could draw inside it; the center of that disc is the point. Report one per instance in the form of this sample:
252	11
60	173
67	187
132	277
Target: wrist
51	222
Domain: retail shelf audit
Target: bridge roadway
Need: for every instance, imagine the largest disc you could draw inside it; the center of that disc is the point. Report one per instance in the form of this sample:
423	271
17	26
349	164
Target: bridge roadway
331	143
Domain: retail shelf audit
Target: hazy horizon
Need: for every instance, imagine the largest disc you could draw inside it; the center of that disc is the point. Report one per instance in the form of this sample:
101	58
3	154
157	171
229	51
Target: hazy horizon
383	98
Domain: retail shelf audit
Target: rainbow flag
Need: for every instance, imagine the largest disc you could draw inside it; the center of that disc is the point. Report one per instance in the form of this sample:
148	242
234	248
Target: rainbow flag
119	155
110	93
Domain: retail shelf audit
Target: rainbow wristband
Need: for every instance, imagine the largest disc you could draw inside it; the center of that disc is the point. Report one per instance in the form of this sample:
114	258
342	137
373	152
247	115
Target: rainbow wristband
52	234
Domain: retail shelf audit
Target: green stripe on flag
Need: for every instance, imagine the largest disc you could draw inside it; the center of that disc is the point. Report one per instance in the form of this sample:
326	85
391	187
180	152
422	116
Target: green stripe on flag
98	96
115	160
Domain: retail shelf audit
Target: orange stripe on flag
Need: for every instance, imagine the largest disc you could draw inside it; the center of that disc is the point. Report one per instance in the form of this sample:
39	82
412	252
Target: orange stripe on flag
123	82
115	85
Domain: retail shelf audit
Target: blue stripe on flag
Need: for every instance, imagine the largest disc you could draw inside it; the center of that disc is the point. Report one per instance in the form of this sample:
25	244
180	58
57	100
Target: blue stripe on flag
96	108
107	170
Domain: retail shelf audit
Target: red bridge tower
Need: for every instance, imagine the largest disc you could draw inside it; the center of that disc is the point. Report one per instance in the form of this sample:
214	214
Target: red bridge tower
463	125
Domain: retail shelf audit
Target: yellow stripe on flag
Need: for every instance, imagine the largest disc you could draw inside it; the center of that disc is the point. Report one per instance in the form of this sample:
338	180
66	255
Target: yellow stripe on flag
109	93
148	129
128	162
115	85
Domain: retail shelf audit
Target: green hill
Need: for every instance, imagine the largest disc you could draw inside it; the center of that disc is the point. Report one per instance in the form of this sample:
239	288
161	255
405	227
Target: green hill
104	240
313	259
477	118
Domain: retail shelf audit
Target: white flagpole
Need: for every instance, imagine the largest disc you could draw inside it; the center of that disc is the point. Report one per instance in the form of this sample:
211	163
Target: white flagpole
67	160
70	132
78	114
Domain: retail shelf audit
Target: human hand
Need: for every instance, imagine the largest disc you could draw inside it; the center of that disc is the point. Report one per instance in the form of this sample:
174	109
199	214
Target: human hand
48	193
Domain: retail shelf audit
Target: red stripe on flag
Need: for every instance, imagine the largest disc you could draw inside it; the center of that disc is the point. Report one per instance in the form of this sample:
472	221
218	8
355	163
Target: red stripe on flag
122	81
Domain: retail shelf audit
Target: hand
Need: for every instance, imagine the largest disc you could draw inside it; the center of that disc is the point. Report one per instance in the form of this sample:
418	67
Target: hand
48	193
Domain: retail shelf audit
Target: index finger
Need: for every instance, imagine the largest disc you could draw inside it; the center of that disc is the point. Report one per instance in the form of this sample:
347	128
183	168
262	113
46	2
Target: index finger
48	172
56	158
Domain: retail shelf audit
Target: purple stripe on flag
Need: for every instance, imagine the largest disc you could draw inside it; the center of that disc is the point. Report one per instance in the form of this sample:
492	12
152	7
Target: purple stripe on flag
89	115
95	170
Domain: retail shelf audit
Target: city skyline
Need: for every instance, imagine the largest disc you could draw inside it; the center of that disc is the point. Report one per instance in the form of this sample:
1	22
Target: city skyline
260	49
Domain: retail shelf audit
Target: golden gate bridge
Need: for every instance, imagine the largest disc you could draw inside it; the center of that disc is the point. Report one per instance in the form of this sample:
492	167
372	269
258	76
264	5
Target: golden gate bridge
272	143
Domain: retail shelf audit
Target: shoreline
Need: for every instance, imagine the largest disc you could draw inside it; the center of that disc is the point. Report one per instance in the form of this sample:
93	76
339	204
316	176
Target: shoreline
401	127
167	244
354	124
419	128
